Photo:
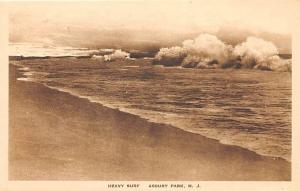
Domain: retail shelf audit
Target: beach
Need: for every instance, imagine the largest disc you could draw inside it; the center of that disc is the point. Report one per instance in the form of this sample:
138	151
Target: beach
54	135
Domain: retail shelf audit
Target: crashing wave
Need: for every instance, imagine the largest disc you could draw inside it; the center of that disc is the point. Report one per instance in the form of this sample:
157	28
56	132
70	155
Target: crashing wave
116	55
207	51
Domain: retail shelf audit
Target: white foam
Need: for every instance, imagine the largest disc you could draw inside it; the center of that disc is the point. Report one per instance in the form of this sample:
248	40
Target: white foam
23	79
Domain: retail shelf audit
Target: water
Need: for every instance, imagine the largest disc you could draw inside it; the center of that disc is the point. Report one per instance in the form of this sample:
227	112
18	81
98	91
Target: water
248	108
40	50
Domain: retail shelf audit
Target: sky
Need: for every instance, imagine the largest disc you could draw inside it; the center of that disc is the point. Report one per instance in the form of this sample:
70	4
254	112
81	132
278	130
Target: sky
148	22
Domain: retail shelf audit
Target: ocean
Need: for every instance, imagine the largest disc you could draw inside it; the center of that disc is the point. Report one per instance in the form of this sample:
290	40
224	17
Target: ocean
243	107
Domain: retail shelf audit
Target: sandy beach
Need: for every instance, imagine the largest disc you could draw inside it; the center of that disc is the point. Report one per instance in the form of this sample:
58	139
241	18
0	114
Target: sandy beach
56	136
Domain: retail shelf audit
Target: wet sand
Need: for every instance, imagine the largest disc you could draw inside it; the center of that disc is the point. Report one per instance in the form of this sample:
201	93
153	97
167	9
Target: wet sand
56	136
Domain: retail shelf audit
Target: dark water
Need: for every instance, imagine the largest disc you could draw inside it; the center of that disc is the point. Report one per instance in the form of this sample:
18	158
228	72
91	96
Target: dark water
248	108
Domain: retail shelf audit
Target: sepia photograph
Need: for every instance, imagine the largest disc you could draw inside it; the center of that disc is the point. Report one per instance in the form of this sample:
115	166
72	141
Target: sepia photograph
150	91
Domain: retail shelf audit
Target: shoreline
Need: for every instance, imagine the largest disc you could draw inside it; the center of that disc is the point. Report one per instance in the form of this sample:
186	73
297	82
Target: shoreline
80	146
26	77
123	110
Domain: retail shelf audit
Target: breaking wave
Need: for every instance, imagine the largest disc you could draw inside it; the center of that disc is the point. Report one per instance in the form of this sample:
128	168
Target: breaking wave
207	51
116	55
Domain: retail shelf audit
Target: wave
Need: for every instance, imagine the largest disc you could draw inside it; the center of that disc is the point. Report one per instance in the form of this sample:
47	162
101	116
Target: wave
173	119
115	55
207	51
183	119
